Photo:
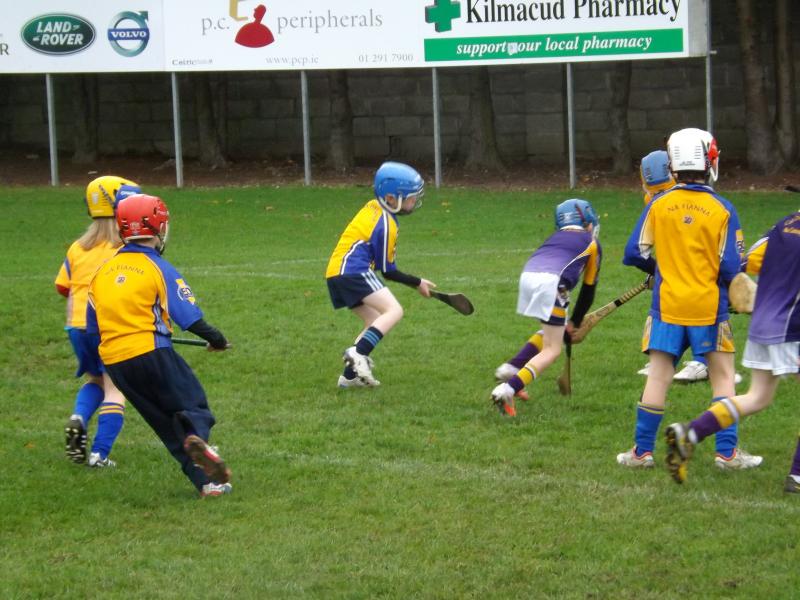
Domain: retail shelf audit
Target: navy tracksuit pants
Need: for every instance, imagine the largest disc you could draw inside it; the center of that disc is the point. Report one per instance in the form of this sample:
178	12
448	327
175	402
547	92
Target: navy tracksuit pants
166	392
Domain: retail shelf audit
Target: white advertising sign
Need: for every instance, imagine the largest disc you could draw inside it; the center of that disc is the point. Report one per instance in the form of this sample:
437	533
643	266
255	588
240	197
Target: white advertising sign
38	36
51	36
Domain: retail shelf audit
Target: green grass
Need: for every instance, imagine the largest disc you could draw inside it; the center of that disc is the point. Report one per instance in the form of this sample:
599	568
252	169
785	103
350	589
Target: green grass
415	489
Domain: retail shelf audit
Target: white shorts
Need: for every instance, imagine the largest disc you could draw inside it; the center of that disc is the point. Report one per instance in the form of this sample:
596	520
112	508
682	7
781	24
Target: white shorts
781	359
539	295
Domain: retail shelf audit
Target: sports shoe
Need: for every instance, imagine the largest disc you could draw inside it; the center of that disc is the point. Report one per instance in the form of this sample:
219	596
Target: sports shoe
98	462
636	461
679	450
505	372
361	364
737	379
76	440
738	461
692	371
503	398
791	485
215	489
344	382
206	457
645	370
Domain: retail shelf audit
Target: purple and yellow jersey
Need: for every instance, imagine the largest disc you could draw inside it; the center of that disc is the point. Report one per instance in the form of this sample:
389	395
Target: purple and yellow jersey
699	242
776	313
75	275
568	253
369	242
133	299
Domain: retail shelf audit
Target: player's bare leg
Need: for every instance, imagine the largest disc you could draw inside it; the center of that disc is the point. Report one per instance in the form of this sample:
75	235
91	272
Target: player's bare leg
380	312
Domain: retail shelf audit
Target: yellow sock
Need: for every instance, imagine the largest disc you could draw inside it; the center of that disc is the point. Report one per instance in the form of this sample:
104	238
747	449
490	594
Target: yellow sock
726	411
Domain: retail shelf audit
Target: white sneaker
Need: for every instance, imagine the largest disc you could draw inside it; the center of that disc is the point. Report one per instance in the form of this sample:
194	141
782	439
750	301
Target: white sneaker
503	398
505	372
692	371
645	370
636	461
98	462
361	364
344	382
216	489
738	461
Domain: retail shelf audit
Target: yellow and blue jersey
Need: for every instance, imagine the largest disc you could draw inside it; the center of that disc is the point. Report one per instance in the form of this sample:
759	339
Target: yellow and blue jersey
699	242
133	299
568	253
74	277
369	242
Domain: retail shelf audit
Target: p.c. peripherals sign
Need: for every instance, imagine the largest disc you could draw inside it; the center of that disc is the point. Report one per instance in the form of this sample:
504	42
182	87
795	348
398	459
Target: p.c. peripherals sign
227	35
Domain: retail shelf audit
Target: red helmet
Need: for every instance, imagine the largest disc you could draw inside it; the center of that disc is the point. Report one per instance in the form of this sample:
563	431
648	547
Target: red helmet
141	217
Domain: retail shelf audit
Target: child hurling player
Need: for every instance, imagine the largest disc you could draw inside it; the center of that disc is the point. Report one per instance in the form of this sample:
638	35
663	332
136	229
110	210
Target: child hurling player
773	342
84	257
368	244
696	236
656	178
133	299
544	285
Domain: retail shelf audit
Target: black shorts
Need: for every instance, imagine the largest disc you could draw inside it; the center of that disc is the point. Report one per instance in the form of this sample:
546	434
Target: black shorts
350	290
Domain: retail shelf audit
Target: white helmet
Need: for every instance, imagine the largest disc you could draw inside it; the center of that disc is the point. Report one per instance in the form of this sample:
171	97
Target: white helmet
696	150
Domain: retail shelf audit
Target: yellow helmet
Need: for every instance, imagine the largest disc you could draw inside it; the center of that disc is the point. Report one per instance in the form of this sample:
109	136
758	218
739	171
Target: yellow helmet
103	194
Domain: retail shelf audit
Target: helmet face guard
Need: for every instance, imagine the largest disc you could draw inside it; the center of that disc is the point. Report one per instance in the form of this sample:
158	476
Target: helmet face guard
143	217
104	193
400	182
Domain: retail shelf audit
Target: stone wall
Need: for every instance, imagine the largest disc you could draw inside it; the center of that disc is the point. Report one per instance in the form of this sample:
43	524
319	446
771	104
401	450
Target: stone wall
260	111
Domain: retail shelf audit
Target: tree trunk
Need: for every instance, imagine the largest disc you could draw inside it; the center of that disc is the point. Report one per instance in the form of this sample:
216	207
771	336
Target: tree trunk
85	108
785	117
619	131
483	153
341	156
210	148
763	156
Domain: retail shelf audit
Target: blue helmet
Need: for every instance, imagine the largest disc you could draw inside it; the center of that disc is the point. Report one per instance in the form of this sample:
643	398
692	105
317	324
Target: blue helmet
655	169
401	181
575	212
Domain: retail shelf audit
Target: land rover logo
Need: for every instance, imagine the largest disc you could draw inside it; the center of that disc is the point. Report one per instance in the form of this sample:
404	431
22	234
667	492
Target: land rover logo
58	34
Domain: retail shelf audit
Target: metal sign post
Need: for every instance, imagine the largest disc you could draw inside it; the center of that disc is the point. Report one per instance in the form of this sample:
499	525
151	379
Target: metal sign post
306	129
176	124
571	127
51	129
437	130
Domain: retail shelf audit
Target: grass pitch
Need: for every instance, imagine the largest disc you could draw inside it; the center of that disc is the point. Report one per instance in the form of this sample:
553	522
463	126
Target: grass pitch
415	489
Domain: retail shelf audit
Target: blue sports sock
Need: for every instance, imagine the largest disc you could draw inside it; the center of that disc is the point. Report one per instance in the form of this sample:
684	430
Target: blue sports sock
109	424
368	341
648	420
86	402
700	358
726	439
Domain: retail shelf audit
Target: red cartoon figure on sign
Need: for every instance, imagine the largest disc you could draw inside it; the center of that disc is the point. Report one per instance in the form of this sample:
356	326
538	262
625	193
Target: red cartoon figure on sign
255	35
